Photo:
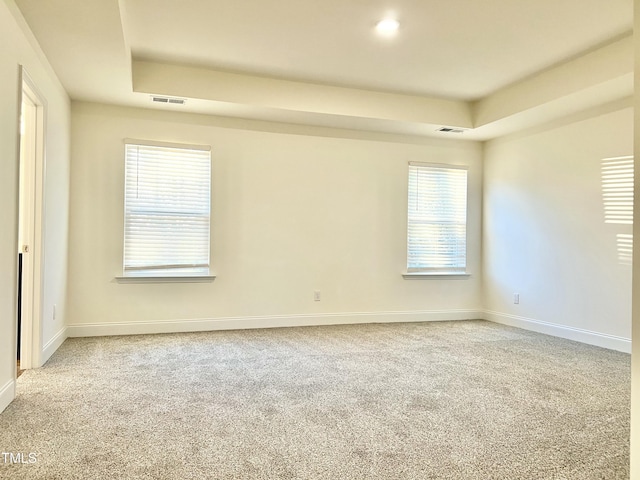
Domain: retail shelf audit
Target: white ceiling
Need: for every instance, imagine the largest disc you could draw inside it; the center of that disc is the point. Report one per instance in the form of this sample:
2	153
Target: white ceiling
463	50
457	48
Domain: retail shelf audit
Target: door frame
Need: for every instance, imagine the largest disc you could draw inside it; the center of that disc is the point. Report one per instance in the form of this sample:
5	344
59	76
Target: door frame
31	214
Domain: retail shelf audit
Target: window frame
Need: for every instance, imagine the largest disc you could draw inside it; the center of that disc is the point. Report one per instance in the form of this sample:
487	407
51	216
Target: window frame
437	271
166	273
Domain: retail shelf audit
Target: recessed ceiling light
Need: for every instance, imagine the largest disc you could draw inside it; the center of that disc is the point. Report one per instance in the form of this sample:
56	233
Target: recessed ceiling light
388	26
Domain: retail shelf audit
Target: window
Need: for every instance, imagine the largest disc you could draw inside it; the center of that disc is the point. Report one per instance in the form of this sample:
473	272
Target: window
617	195
167	210
437	219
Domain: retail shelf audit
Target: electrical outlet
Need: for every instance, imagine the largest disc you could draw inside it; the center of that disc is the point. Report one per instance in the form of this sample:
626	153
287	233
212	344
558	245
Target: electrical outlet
316	295
516	298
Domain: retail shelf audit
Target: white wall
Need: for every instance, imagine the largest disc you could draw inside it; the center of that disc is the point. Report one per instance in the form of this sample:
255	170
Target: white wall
545	236
16	48
294	209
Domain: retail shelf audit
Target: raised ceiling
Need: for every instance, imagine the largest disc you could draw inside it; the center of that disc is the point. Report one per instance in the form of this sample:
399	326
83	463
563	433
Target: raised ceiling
459	49
447	56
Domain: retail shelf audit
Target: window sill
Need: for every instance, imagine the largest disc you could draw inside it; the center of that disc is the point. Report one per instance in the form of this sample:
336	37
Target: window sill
434	275
166	279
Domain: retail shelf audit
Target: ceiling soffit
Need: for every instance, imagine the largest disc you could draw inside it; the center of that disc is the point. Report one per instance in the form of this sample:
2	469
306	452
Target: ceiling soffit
600	76
89	47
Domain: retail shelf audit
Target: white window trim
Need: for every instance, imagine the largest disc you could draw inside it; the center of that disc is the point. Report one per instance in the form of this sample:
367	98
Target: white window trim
155	143
147	275
434	275
166	279
438	273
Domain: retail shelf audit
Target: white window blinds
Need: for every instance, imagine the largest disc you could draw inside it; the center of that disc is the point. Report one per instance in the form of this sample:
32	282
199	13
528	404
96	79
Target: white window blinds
167	210
437	218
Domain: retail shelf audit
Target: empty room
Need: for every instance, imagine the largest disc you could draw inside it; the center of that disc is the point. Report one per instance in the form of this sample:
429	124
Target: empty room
318	240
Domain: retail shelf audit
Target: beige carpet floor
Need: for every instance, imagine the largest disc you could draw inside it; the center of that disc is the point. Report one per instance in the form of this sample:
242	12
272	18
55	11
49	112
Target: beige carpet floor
446	400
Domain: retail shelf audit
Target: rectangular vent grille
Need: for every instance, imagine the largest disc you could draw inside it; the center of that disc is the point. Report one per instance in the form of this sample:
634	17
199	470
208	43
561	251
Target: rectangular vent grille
175	101
451	130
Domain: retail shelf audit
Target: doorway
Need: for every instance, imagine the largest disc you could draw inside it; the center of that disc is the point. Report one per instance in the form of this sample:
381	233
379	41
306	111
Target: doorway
30	195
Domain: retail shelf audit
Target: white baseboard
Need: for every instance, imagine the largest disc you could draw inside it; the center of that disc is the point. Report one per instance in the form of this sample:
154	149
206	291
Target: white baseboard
7	394
271	321
53	344
571	333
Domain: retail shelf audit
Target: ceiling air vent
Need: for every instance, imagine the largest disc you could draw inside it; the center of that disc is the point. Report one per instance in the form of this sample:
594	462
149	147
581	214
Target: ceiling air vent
175	101
450	130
